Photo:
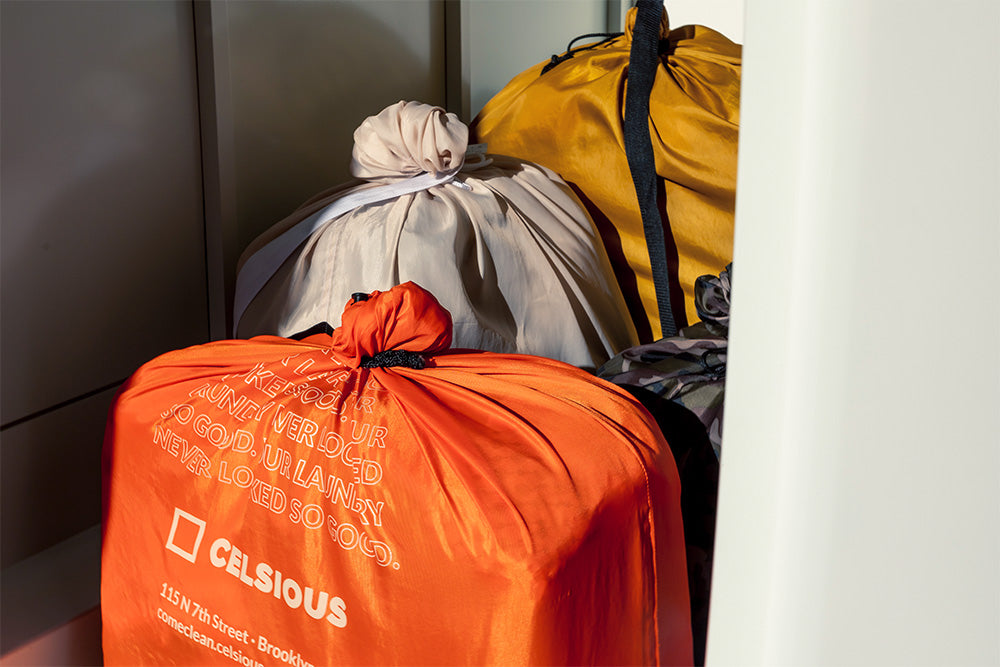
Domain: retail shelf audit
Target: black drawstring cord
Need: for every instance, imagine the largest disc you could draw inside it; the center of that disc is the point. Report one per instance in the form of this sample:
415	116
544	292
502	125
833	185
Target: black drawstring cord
570	51
394	358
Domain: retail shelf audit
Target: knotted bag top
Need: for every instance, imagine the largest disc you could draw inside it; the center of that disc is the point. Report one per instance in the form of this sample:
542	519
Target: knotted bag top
405	318
407	139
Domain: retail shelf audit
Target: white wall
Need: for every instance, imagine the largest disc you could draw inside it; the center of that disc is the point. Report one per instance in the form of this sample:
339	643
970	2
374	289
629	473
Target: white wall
859	509
725	16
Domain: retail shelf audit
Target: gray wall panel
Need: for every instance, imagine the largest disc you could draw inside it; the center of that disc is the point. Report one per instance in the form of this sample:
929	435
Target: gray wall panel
50	477
102	228
304	75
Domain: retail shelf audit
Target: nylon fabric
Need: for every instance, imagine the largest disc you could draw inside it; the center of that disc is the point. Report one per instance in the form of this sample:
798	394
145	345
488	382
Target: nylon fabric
403	141
488	509
570	120
507	248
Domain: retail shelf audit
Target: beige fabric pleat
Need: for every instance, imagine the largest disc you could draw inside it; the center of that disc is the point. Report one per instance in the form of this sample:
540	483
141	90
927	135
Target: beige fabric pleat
508	249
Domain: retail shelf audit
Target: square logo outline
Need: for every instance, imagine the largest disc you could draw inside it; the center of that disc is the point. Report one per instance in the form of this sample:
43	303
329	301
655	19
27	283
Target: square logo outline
186	555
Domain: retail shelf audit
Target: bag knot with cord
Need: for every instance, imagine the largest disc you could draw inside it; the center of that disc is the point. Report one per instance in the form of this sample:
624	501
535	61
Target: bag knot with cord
326	501
504	244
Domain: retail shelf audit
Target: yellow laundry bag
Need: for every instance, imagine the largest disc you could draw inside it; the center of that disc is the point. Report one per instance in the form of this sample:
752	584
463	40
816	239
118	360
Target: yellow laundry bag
568	116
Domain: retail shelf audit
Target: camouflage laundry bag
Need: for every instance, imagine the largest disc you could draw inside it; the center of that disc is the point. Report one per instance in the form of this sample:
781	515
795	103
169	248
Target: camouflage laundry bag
689	368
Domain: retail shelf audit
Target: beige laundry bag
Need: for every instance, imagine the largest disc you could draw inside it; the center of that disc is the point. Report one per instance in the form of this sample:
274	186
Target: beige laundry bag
503	244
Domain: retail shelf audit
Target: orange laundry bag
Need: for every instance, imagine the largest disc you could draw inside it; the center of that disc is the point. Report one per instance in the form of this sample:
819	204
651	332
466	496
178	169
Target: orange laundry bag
370	497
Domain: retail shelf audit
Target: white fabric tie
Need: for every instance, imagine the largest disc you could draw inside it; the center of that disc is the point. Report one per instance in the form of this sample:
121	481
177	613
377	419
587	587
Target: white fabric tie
263	264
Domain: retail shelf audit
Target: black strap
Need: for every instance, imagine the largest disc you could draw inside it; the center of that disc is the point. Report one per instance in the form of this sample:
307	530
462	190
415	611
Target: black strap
643	61
320	328
324	327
